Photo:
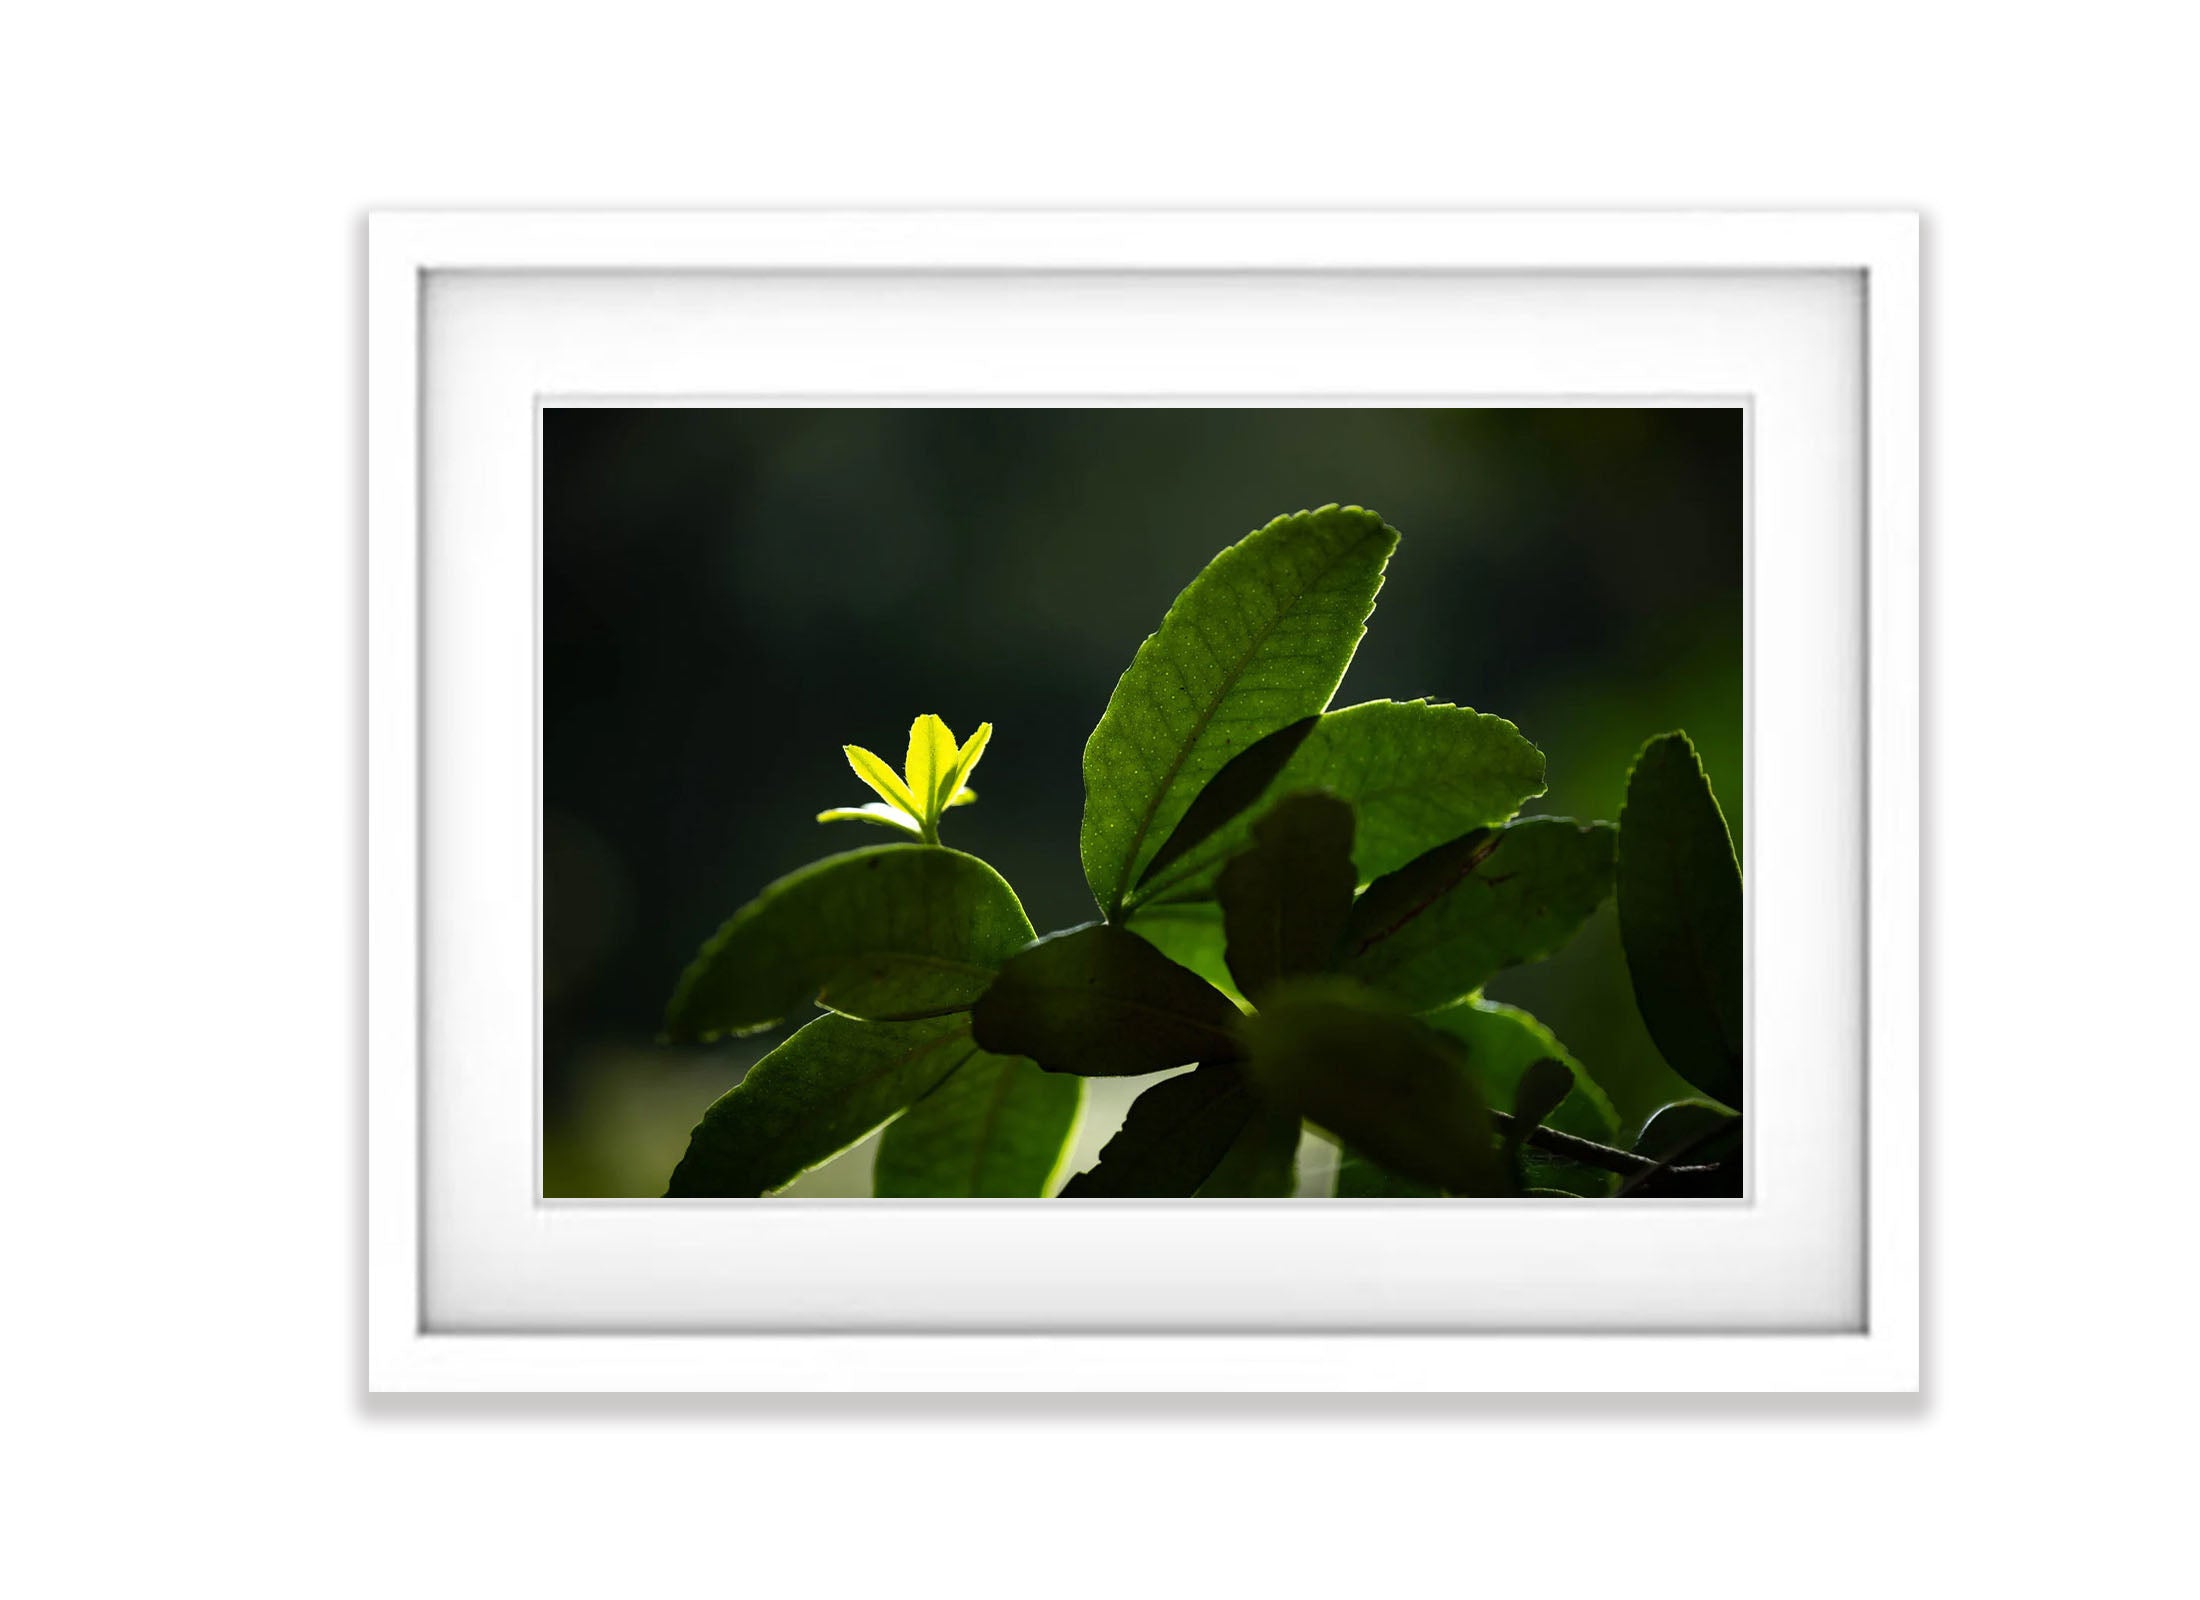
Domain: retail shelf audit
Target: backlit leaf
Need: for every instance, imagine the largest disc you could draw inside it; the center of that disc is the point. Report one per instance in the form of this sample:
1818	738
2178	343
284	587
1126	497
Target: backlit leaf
889	933
823	1089
957	789
1415	772
1680	917
1103	1003
1443	925
1174	1137
1502	1042
1258	640
932	759
1352	1062
1190	934
997	1127
1244	778
1285	900
873	811
882	778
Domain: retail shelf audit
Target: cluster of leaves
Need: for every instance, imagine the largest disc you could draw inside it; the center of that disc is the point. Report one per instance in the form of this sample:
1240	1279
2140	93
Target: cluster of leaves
1302	905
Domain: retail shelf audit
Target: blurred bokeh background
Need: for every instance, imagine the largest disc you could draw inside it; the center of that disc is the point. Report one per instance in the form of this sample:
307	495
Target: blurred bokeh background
731	595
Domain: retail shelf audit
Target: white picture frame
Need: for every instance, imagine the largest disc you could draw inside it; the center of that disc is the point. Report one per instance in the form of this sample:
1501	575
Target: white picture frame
417	1240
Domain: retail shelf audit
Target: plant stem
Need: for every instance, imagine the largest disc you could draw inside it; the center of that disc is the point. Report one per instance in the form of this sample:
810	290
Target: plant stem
1672	1163
1587	1152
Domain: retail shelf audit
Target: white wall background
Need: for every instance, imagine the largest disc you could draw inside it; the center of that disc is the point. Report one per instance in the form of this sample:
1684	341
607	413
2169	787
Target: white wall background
179	877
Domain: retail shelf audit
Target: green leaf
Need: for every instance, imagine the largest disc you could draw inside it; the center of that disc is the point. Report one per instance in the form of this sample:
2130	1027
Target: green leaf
932	758
1502	1043
1680	917
823	1089
873	811
1258	640
881	776
1348	1060
890	933
997	1127
1263	1164
1546	1082
1443	925
1175	1136
957	789
1244	778
1415	772
1191	935
1361	1178
1100	1002
1285	901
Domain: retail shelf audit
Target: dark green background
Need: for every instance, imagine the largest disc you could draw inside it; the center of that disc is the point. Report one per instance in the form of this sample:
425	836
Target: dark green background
731	595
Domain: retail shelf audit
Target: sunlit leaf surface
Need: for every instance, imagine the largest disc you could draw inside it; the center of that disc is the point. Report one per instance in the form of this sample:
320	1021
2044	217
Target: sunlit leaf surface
877	812
1416	773
1258	640
931	763
997	1127
957	790
881	776
822	1090
1440	927
1190	934
1244	778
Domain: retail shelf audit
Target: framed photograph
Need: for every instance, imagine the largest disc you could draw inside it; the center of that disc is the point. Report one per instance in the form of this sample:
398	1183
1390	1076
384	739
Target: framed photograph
1136	801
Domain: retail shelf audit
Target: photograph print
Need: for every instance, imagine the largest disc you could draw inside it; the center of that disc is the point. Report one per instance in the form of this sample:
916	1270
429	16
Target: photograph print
1143	803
